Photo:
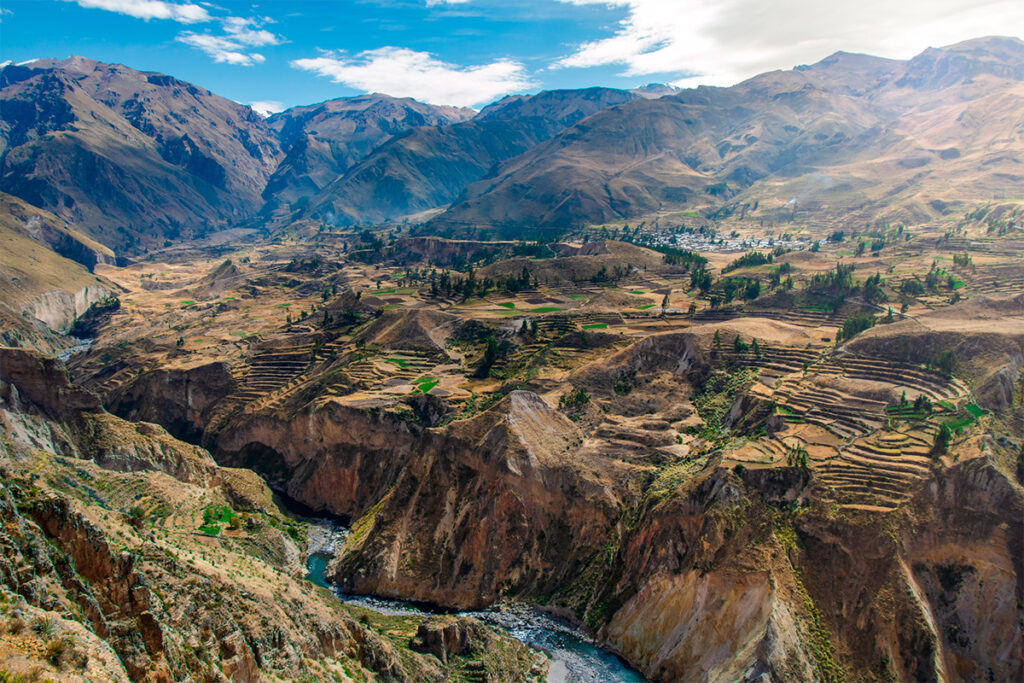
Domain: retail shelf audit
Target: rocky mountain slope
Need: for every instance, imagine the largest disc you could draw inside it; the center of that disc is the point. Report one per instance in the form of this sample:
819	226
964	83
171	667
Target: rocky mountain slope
322	141
851	137
46	278
128	157
430	166
133	158
129	555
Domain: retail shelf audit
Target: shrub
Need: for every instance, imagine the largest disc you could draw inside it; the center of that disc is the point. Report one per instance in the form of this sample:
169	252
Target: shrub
15	625
57	650
43	627
574	400
796	456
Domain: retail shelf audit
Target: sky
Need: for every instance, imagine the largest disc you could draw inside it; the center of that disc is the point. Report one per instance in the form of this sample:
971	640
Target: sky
280	53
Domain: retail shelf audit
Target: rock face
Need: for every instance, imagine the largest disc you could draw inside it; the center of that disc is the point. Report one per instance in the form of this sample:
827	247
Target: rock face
508	473
178	399
333	458
47	271
451	638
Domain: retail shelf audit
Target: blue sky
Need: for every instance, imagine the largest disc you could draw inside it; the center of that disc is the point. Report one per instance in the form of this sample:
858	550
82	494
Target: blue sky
468	52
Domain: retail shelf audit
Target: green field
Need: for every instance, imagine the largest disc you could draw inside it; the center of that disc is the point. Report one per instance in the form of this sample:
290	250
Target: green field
596	326
976	411
425	384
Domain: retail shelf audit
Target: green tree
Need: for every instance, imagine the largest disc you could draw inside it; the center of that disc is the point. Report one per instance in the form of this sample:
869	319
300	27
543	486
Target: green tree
490	356
942	439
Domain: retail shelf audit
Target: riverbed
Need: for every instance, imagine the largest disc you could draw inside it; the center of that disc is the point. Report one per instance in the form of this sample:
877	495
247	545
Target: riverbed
573	655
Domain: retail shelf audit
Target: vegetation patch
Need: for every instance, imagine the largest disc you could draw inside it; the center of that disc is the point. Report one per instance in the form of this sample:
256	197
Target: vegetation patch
425	384
507	304
596	326
976	411
216	515
546	309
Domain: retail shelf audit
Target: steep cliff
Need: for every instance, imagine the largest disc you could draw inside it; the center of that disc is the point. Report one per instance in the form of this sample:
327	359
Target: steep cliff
128	555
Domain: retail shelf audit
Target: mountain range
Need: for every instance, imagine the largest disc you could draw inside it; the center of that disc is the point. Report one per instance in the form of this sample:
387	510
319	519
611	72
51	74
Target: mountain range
135	159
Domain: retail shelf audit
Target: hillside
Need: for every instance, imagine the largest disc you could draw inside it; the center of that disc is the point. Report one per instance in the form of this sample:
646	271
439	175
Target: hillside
45	274
130	158
430	166
322	141
853	137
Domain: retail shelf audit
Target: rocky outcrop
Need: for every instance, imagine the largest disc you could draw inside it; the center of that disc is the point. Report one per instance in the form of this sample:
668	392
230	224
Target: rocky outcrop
449	638
723	580
178	398
331	458
510	473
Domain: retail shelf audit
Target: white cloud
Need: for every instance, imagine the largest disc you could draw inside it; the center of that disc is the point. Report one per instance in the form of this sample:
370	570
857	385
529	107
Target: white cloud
266	107
234	47
402	72
248	31
221	49
186	13
721	42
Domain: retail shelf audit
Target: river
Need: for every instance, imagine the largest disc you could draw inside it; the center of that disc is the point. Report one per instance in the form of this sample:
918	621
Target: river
574	658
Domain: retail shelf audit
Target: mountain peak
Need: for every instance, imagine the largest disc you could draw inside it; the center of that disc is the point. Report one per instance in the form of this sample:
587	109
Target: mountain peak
938	68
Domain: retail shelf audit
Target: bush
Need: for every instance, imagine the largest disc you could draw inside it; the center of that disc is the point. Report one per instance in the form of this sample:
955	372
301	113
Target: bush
56	650
43	627
15	625
912	287
796	456
574	400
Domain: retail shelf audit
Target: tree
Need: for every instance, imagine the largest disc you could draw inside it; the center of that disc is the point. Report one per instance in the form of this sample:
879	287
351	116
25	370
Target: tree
796	456
855	324
942	439
490	356
717	341
738	346
756	347
180	342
